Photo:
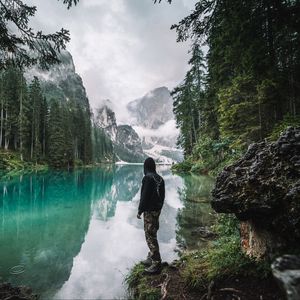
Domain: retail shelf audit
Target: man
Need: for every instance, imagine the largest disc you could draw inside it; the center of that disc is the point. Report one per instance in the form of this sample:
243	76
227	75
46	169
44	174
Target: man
151	203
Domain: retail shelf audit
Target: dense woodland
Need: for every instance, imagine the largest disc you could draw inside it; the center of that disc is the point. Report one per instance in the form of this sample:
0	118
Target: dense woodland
45	129
247	86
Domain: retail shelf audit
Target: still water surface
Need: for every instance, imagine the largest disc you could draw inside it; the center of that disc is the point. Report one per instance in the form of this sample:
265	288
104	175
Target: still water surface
75	235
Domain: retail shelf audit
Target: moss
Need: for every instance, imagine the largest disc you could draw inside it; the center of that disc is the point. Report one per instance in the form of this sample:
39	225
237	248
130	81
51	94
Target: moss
288	121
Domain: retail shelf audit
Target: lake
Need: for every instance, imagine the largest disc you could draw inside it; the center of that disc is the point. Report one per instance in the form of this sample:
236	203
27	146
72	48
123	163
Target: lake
75	235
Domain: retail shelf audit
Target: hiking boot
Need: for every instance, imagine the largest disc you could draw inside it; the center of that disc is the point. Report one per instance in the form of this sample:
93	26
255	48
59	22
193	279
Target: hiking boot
154	268
147	262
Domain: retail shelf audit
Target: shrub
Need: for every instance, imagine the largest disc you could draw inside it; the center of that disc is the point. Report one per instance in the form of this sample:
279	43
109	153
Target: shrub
222	259
183	167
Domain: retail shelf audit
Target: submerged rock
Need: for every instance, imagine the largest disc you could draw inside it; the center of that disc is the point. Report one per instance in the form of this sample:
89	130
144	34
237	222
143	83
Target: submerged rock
9	292
263	189
286	270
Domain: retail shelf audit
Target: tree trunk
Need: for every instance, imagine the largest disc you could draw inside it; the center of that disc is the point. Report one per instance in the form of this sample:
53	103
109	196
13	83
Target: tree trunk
32	139
32	131
260	119
6	143
21	119
44	138
1	123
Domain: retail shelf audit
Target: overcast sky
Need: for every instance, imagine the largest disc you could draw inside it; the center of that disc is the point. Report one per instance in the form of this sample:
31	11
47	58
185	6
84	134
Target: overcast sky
121	48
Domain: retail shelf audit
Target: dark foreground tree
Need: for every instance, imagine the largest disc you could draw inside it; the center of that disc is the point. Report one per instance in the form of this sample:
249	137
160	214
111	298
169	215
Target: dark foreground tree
20	45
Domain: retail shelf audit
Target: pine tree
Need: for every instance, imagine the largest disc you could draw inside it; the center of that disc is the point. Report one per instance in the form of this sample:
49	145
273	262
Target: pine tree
57	154
36	99
253	69
44	115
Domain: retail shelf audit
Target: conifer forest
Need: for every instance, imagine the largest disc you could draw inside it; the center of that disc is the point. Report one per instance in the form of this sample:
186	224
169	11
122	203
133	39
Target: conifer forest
246	87
47	129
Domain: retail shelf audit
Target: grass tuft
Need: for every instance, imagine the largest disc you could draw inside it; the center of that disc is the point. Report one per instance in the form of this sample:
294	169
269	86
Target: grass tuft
138	285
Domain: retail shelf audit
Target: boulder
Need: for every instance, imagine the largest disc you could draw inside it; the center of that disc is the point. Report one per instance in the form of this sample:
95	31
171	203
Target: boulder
286	269
263	190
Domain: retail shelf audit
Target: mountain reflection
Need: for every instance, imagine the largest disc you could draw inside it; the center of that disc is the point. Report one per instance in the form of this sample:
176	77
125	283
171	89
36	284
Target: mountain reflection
125	185
43	223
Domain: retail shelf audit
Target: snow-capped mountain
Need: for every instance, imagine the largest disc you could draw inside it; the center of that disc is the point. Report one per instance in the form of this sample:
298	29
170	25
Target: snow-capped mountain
126	142
152	110
153	119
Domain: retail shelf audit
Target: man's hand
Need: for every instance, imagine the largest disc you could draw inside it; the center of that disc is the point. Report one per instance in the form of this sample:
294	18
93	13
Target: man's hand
138	216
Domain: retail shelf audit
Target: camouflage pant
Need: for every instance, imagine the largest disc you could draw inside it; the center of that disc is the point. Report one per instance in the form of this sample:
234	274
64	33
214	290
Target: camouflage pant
151	226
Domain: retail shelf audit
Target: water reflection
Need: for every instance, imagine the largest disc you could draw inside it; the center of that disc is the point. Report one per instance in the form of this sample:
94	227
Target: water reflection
44	221
125	185
196	211
75	234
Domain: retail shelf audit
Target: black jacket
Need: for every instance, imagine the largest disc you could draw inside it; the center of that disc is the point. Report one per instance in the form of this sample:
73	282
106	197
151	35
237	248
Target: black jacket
152	193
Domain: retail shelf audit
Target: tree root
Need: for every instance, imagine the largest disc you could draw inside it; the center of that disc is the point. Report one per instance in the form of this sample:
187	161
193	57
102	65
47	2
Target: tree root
230	290
164	285
210	293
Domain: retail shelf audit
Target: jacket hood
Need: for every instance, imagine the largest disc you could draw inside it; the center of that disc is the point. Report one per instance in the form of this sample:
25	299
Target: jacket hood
149	166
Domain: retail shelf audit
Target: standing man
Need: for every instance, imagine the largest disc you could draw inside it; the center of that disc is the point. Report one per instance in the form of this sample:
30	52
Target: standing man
151	203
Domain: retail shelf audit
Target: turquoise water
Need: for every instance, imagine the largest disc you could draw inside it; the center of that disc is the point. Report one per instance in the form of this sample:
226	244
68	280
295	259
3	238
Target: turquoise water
75	235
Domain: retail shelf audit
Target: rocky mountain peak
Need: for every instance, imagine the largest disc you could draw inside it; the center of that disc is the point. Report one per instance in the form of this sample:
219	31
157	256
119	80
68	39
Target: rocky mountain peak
153	109
105	118
153	119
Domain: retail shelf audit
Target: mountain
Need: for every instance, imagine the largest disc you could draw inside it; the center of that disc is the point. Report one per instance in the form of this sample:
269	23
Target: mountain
61	81
128	146
63	85
153	119
126	142
152	110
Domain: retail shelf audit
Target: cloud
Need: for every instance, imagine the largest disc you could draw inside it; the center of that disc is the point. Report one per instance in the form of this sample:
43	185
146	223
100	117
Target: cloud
121	48
167	130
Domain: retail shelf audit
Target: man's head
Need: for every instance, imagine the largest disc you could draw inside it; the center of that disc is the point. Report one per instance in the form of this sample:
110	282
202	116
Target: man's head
149	165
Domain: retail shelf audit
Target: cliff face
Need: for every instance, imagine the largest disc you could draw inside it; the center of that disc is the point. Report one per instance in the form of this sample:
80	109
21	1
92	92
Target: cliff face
263	190
126	142
61	81
105	118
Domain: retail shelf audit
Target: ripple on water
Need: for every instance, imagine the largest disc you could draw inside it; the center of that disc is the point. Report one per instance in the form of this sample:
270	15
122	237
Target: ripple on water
16	270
